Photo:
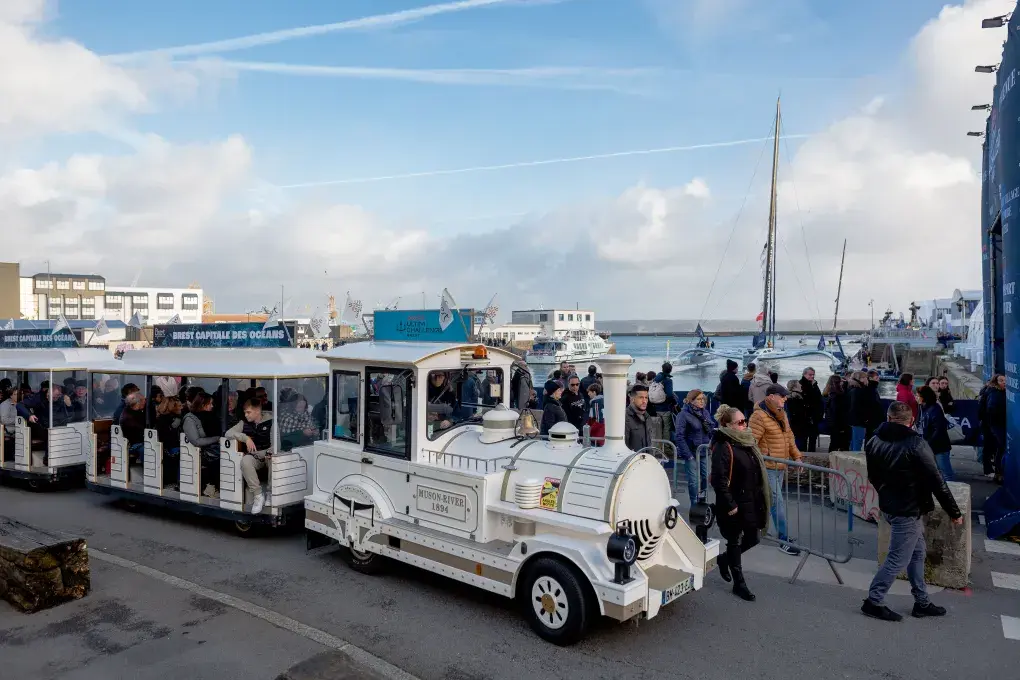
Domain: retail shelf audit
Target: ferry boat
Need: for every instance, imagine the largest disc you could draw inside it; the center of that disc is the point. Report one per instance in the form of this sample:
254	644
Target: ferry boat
574	346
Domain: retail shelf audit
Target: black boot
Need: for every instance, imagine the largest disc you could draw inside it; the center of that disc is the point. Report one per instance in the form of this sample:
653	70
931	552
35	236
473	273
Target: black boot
740	585
724	567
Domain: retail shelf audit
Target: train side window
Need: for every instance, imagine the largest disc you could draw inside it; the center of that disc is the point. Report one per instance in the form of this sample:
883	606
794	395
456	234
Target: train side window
388	412
346	386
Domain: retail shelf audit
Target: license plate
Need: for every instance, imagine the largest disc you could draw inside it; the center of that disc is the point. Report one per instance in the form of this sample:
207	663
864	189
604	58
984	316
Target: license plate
676	591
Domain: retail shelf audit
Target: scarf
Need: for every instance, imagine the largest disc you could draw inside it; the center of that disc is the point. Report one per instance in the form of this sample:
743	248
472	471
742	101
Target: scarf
746	439
700	413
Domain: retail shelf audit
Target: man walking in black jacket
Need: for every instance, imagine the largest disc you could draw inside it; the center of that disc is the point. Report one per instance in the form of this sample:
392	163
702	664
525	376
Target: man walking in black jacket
901	466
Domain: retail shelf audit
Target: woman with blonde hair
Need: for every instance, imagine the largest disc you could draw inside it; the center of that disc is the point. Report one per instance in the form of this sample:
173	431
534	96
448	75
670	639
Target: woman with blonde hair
741	492
694	427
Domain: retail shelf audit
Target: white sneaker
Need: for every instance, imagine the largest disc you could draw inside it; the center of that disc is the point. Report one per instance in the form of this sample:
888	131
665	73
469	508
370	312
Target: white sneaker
258	503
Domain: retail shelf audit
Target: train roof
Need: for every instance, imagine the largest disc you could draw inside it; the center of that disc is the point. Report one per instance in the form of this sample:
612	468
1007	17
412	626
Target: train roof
407	353
221	363
69	359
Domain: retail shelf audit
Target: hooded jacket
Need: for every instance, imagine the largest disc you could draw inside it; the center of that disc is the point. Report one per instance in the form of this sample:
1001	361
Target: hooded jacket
759	383
774	435
694	427
901	467
552	414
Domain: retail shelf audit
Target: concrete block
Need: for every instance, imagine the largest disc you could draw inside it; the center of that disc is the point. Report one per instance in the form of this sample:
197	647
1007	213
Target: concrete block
860	495
948	558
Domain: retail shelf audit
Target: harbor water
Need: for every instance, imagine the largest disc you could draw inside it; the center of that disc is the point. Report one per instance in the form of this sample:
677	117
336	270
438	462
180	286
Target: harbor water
649	353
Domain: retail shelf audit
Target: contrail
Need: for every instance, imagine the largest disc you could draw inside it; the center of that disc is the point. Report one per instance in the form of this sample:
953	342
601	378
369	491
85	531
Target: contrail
272	37
450	76
530	164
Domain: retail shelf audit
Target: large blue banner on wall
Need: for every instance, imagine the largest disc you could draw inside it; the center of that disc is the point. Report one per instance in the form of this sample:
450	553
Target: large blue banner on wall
37	338
220	335
422	325
1002	510
986	264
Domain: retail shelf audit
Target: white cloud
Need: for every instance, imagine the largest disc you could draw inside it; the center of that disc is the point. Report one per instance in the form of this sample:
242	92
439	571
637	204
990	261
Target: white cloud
897	177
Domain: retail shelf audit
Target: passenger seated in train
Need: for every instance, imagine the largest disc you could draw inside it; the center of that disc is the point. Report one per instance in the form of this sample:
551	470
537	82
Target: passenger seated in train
36	410
132	423
255	437
442	402
8	417
128	389
263	397
169	419
492	388
105	396
296	425
206	440
79	399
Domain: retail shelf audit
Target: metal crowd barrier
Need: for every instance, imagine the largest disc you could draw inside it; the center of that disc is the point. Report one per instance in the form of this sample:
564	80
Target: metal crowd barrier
814	524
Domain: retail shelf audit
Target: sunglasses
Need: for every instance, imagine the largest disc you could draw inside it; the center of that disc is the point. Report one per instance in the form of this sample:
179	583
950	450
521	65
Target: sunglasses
742	421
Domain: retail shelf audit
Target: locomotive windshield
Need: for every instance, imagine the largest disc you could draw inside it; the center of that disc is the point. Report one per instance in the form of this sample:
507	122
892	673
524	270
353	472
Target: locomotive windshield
458	397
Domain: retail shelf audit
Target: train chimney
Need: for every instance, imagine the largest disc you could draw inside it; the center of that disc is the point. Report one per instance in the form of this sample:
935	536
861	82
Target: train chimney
614	386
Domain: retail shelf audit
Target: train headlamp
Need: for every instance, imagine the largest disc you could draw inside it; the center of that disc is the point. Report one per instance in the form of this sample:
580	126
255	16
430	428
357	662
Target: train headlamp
672	517
621	549
702	518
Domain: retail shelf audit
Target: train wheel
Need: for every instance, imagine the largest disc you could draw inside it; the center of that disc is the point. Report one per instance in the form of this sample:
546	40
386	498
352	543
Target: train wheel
244	528
362	562
554	602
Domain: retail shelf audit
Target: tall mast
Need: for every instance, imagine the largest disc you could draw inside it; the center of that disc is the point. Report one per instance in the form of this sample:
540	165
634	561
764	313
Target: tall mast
768	305
839	289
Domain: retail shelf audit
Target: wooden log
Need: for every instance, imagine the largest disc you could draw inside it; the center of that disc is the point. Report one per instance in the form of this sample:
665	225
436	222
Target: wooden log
39	569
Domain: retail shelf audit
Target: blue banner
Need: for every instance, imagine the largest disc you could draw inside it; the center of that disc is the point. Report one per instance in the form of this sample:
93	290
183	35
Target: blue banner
220	335
1002	510
37	338
422	325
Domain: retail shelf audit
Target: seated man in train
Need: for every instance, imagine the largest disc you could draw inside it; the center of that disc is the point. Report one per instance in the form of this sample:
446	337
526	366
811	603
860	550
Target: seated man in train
132	423
129	388
442	401
296	425
255	437
263	396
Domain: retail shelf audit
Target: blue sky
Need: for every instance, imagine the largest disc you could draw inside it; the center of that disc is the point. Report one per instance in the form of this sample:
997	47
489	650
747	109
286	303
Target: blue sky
880	90
718	82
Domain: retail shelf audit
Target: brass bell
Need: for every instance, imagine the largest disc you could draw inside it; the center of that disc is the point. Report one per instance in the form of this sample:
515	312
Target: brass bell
526	424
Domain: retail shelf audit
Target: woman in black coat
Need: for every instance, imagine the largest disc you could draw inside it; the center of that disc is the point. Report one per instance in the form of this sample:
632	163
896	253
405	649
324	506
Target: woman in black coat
837	414
935	430
741	491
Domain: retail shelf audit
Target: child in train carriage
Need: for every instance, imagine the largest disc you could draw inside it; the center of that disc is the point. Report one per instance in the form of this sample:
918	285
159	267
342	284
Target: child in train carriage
255	437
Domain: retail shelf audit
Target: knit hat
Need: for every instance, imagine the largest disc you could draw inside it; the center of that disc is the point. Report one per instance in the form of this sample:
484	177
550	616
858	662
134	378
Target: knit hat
552	385
731	365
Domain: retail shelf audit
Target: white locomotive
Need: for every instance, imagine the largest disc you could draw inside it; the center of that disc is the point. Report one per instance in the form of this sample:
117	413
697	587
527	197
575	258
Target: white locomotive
426	464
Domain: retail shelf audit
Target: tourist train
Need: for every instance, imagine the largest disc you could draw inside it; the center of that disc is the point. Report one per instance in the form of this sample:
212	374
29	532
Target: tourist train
404	451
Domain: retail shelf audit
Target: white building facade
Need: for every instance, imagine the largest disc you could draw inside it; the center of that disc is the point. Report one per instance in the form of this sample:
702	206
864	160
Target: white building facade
525	325
87	297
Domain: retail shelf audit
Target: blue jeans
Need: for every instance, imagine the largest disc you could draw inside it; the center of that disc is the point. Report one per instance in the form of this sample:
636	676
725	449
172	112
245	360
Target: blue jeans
776	478
906	549
857	435
945	465
691	472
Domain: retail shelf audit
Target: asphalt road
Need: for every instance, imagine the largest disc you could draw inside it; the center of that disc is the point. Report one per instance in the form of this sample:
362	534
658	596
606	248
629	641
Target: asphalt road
437	629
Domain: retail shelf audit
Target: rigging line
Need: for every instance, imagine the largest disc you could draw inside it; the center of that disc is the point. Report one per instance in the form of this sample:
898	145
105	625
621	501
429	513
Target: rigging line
733	229
803	235
736	277
799	284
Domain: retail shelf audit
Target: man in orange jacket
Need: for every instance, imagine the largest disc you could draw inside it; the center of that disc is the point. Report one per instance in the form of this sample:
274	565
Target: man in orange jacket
772	431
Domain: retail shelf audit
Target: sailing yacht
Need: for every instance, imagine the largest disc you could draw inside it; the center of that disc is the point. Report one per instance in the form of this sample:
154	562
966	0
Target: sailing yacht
763	348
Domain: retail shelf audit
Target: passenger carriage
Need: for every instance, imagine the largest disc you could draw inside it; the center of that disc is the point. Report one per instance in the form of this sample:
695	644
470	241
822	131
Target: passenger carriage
52	443
449	481
137	465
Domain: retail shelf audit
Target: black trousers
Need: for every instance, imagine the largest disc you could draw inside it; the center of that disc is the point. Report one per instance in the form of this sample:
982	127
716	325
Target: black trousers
738	541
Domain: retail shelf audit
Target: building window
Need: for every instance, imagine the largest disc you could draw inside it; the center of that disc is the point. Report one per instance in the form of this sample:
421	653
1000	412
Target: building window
97	285
78	285
63	285
88	313
570	317
44	284
543	318
189	302
561	317
587	317
115	301
140	300
165	301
